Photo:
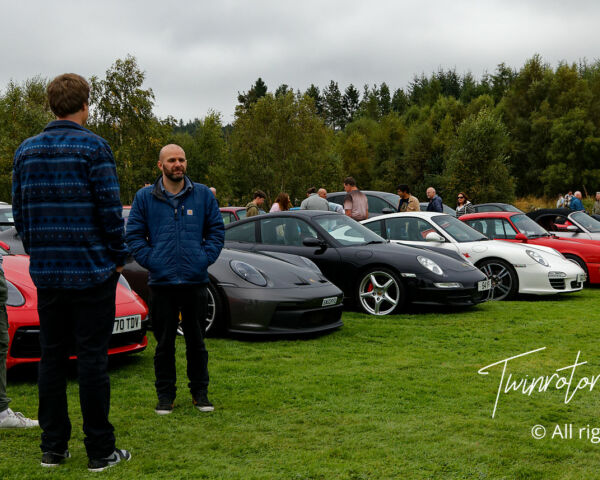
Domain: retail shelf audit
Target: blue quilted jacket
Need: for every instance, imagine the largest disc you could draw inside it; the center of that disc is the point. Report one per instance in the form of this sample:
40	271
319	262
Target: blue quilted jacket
176	245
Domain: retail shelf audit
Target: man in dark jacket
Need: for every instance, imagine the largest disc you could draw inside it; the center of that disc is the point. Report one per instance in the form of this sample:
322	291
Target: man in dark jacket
67	210
435	201
175	230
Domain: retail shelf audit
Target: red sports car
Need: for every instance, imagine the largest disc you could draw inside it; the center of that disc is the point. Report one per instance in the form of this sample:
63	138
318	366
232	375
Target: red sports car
129	330
518	227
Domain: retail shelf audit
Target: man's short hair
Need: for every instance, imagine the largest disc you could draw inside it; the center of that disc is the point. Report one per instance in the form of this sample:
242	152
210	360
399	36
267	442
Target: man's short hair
350	181
311	190
259	194
403	188
67	93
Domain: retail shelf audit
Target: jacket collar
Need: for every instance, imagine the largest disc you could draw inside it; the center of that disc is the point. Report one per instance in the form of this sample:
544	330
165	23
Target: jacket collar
65	124
158	188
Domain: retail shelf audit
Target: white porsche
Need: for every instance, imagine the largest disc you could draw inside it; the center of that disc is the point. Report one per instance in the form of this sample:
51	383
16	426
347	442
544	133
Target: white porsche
511	267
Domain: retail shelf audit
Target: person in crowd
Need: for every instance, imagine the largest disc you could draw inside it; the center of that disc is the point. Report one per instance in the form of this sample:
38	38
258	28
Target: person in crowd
568	198
8	418
408	202
356	204
313	201
596	207
177	250
252	208
576	204
213	190
333	207
75	263
560	203
435	201
463	205
282	203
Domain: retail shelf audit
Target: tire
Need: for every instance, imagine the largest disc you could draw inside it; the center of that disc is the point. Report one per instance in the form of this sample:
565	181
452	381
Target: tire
380	292
581	263
215	313
505	283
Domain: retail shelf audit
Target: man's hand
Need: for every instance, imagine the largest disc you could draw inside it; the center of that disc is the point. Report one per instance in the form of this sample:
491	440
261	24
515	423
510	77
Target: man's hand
119	269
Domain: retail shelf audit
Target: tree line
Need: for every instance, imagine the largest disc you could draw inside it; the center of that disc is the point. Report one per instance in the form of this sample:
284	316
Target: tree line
531	131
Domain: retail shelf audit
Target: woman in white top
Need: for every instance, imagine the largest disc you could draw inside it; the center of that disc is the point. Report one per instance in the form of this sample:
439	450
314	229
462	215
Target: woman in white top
282	203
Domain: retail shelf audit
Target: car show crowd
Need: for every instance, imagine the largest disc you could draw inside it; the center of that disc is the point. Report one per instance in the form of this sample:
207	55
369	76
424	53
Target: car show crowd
203	268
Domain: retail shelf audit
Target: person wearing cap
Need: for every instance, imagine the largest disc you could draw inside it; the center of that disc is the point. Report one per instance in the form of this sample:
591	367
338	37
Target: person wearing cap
408	202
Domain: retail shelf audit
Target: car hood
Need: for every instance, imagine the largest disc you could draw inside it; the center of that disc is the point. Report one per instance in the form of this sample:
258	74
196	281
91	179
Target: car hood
280	270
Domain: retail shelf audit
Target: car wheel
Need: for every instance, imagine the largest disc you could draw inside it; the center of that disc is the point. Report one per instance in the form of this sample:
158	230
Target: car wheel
581	263
505	282
380	292
215	321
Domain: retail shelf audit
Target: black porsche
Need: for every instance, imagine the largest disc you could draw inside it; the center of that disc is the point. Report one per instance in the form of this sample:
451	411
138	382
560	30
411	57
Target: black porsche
378	276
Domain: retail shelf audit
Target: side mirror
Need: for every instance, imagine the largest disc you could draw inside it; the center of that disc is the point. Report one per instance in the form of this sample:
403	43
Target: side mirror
387	211
573	228
434	237
521	237
5	246
313	242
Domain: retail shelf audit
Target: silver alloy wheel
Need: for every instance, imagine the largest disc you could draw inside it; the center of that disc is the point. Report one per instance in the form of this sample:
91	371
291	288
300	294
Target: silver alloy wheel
502	280
379	293
211	310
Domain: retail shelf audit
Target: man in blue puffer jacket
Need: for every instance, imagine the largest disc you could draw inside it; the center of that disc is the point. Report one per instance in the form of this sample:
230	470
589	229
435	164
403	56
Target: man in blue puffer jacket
175	230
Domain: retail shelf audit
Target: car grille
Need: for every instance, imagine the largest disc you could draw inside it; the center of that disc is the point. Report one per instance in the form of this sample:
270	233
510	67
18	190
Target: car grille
557	283
26	342
306	319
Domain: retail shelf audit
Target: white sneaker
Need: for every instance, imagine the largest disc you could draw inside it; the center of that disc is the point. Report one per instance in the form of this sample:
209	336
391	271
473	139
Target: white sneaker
17	420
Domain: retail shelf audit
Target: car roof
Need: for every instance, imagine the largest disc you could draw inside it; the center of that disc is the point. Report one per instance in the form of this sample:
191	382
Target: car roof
473	216
550	211
408	214
230	209
294	214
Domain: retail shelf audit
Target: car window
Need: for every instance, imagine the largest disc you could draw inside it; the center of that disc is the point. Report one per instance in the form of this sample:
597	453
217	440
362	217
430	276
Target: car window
227	217
376	227
339	199
527	226
241	213
487	208
509	231
458	230
245	232
285	231
347	231
409	229
590	224
6	219
494	228
376	204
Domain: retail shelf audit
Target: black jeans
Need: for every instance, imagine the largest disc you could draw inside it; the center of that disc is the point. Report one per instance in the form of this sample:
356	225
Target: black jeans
167	302
83	318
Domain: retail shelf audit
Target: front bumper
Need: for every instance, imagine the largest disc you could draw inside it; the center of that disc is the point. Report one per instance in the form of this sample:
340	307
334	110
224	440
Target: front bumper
283	311
423	291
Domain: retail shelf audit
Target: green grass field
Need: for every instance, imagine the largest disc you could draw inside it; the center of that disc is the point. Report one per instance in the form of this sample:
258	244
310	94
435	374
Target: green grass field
389	397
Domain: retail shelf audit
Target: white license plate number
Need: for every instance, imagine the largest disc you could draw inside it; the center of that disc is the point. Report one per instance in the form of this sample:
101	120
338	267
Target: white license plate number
127	324
329	301
484	285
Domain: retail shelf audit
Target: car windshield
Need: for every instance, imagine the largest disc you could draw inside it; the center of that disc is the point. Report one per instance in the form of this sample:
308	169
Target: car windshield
6	218
458	230
590	224
347	231
528	227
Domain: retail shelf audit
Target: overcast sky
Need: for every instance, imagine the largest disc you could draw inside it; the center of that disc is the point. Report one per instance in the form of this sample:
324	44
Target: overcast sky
197	55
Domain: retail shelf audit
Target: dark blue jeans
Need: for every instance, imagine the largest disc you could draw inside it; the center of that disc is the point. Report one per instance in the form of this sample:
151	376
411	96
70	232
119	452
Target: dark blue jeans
167	302
83	318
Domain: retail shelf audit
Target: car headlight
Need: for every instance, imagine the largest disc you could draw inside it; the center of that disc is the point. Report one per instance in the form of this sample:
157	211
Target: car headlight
15	297
538	258
430	265
248	273
310	264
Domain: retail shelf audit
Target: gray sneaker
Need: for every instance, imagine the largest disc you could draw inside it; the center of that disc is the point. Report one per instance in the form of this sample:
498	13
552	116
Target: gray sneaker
100	464
17	420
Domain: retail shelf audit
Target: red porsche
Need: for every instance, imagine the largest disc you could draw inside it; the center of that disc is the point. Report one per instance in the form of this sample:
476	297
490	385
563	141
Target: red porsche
129	330
518	227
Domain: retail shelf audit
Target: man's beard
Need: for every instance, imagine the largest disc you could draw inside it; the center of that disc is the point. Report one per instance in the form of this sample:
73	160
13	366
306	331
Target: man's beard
173	178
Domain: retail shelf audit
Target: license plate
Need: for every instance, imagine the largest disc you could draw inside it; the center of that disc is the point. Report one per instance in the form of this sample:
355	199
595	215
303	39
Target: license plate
127	324
329	301
484	285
